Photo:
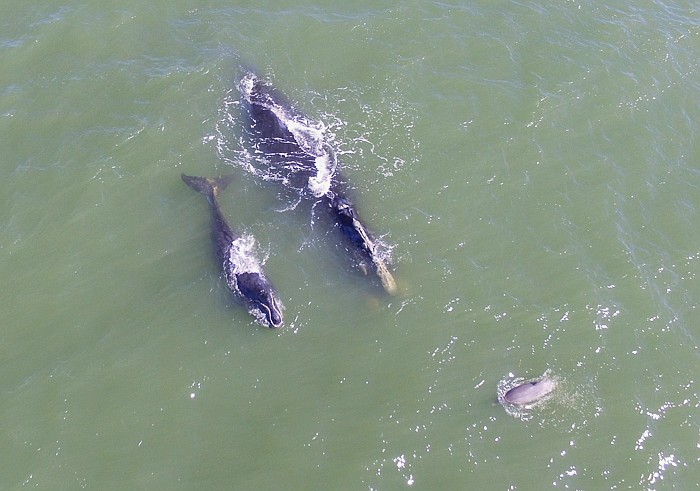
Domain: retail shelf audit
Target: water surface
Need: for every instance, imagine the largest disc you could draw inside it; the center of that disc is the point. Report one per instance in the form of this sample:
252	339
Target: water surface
533	164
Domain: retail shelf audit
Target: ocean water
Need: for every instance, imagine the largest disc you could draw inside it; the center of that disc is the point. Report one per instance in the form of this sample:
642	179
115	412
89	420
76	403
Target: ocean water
533	165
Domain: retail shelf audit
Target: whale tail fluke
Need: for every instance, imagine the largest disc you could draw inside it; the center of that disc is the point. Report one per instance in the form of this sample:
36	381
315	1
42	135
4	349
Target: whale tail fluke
207	186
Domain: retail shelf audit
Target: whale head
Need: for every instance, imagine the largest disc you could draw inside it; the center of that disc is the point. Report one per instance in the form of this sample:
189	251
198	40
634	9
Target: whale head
261	295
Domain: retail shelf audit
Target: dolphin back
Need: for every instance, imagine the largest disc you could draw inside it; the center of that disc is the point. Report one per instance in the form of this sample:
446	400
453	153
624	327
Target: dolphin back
530	392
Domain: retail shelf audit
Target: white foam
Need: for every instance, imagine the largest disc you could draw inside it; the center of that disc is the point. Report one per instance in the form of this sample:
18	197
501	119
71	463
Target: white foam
246	84
320	184
309	137
241	257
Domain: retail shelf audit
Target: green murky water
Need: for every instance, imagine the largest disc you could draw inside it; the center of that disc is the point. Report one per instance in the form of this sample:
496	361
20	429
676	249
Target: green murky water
534	164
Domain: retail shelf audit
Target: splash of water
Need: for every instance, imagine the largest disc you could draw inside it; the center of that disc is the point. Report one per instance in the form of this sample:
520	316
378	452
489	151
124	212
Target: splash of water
241	256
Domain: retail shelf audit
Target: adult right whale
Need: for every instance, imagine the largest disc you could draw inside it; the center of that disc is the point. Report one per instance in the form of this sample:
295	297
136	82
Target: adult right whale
296	153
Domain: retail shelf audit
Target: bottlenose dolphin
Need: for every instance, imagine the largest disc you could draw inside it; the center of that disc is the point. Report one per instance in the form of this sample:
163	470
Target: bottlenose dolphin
244	275
530	392
298	155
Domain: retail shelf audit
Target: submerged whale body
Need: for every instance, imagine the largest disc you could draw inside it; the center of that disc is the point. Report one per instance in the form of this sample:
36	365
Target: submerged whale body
530	392
243	274
297	154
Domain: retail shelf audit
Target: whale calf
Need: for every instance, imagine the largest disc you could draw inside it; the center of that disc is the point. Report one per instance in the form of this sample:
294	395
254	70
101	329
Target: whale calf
297	154
244	275
529	392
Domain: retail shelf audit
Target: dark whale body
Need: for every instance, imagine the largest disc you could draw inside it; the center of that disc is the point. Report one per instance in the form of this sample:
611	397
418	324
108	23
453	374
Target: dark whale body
530	392
287	141
243	275
297	154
